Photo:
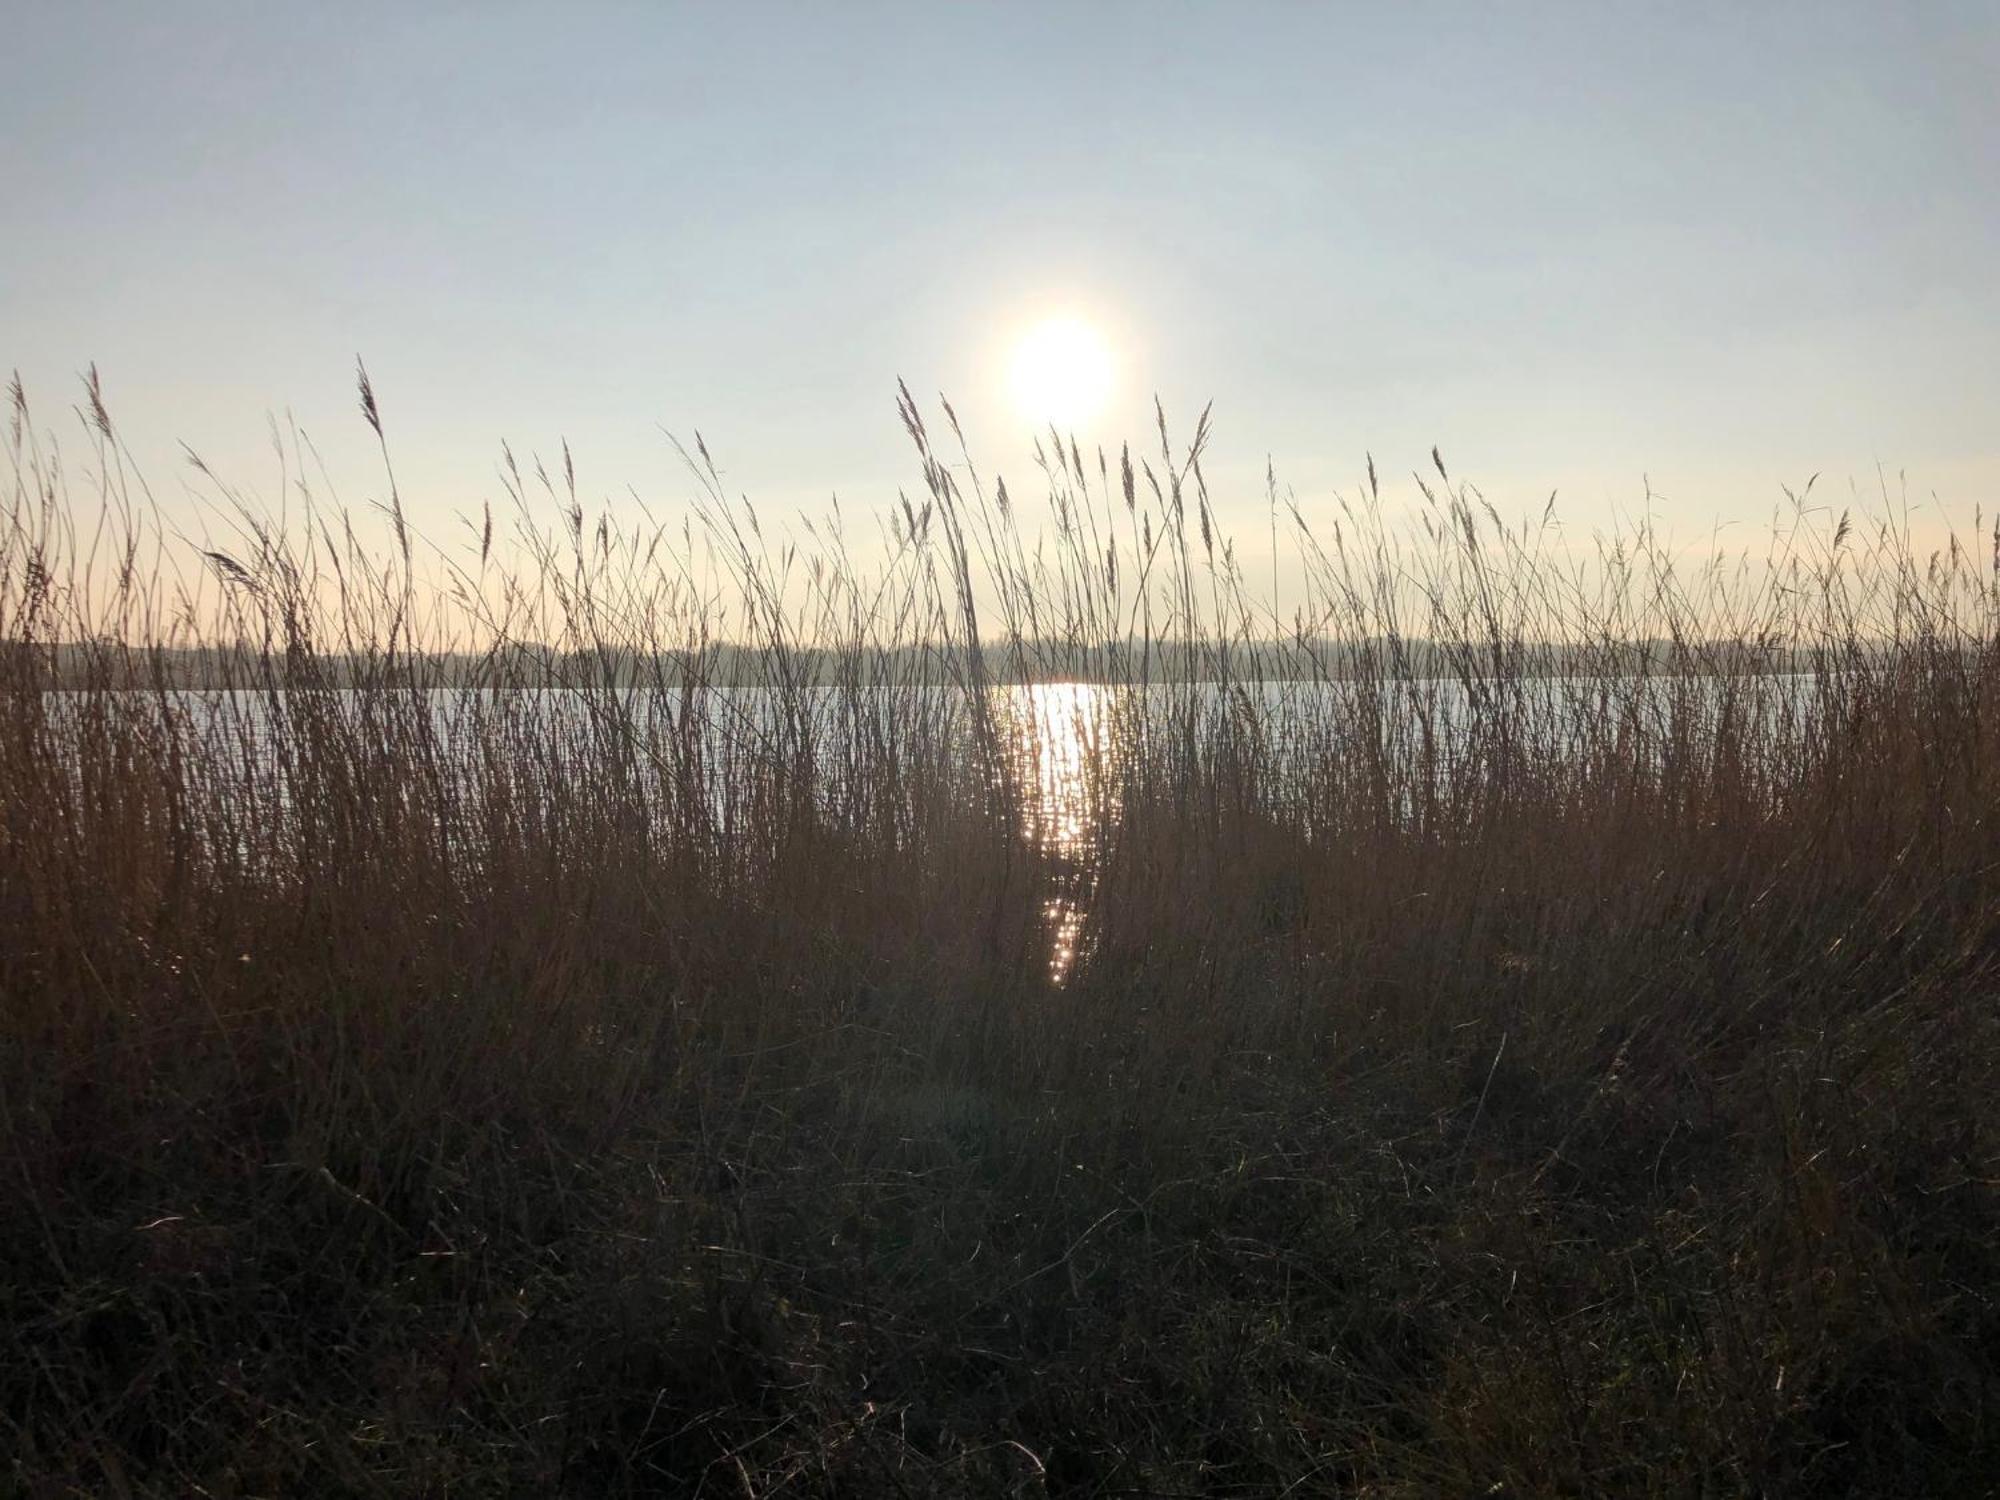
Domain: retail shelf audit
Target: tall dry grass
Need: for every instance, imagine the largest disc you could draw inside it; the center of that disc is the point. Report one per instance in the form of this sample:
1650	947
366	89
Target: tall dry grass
577	1011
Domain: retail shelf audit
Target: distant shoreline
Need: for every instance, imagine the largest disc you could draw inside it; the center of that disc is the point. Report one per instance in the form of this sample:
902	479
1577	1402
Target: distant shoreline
134	667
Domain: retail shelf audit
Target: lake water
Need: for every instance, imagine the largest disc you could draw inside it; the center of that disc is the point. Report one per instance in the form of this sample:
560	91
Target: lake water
1058	758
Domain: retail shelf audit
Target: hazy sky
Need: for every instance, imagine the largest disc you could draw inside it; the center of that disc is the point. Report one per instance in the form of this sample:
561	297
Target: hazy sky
1722	247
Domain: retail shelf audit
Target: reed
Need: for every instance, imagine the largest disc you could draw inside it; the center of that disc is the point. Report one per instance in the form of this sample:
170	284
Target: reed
692	1010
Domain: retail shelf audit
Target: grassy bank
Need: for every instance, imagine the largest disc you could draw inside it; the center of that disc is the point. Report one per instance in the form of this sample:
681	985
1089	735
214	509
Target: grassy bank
1461	1081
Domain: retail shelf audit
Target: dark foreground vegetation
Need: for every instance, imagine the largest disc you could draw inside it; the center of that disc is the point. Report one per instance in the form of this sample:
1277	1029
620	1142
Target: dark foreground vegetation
1454	1081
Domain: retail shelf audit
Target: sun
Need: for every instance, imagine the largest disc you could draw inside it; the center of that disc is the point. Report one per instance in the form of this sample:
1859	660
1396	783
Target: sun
1062	372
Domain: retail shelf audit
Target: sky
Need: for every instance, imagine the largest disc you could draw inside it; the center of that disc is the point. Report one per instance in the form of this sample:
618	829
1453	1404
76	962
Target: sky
1701	252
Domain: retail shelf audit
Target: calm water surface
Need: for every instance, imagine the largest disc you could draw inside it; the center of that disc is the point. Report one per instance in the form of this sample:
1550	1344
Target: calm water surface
1061	749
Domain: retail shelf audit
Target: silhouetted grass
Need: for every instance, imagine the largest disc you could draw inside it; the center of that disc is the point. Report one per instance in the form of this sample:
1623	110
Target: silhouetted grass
1528	1024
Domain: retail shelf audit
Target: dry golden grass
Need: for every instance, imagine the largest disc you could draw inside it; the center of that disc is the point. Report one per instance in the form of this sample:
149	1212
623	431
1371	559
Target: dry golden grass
543	1020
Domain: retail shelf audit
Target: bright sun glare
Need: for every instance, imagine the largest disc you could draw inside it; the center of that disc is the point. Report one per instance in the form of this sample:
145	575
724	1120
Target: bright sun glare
1062	372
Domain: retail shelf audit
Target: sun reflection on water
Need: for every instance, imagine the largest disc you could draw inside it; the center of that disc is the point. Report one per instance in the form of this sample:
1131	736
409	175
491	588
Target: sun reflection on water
1064	739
